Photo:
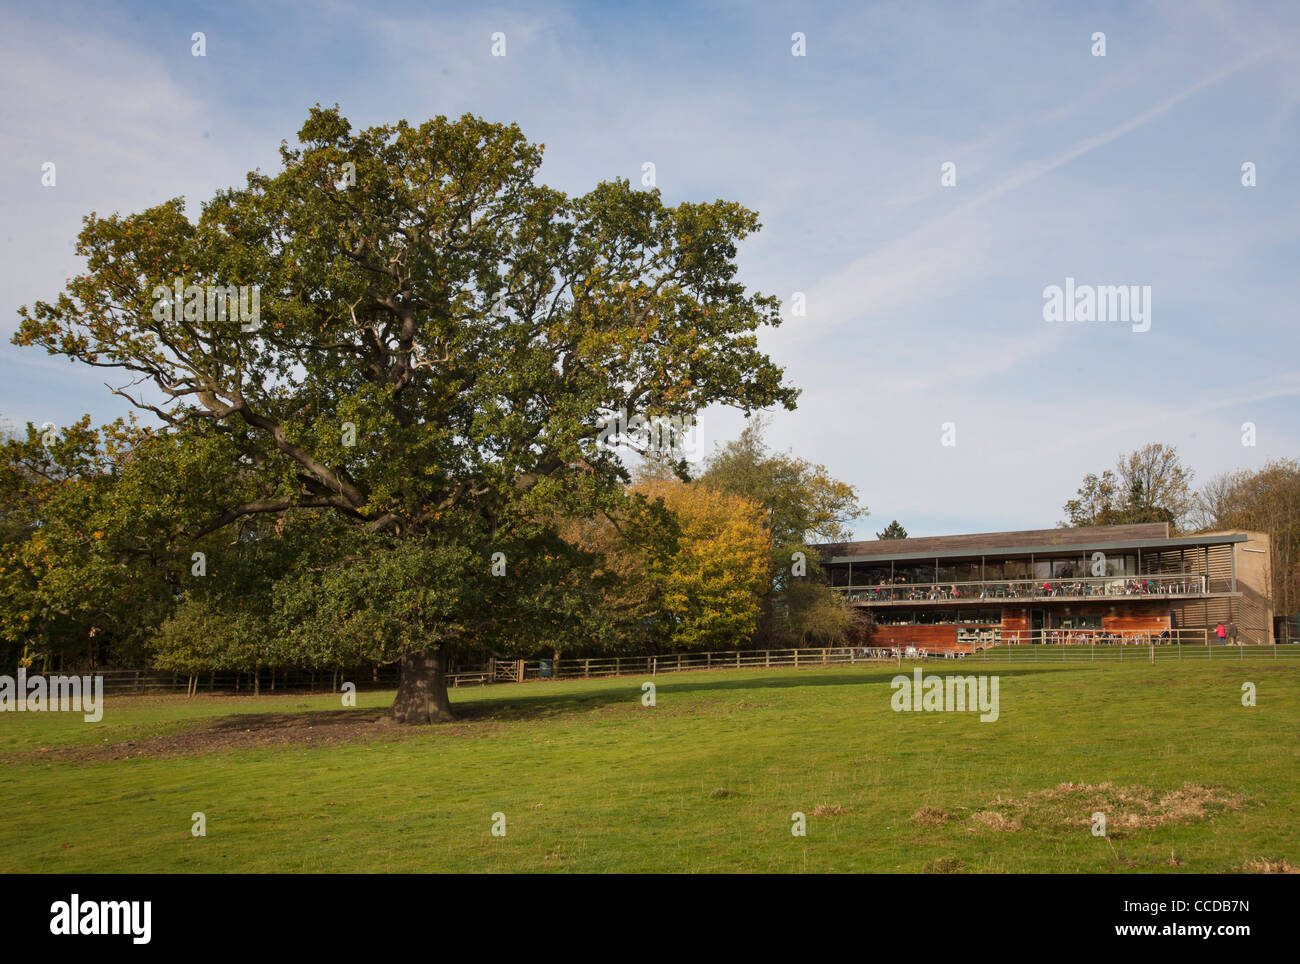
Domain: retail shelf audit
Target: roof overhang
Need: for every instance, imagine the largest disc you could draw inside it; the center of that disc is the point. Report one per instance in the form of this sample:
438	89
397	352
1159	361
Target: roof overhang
1083	547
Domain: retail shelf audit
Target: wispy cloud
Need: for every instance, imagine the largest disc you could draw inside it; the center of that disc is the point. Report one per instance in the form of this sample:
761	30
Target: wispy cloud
924	303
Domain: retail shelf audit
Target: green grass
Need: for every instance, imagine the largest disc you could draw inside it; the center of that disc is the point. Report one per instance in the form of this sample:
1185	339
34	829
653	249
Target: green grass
590	780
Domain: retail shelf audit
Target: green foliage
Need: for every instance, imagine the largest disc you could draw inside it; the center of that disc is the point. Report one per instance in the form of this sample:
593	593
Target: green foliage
802	504
802	501
203	635
1149	484
86	571
892	531
470	327
402	593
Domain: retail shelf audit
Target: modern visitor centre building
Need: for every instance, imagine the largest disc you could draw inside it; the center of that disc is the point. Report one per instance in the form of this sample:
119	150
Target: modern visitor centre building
1094	585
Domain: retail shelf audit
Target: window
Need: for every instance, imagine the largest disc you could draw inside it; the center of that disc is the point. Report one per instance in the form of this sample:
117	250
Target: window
898	617
864	575
912	573
1081	622
1065	568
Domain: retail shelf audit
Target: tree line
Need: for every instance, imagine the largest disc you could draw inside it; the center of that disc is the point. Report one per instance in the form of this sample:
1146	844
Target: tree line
1151	484
93	575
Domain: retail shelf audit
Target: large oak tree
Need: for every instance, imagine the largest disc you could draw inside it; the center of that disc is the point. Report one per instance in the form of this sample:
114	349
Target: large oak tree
465	327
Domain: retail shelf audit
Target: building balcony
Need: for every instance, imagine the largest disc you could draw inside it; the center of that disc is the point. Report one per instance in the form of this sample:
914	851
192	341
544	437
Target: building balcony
1163	585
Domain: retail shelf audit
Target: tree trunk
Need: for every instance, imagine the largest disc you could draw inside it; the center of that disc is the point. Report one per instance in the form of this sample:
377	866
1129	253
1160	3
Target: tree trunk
422	688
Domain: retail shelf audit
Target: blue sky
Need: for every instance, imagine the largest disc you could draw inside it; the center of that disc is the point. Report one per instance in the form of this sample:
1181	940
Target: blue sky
924	302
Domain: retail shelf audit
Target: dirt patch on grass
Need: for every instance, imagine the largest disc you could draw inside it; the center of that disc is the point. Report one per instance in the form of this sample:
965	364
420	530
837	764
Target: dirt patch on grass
1131	807
1269	865
929	817
829	810
1125	807
994	820
238	732
943	865
299	727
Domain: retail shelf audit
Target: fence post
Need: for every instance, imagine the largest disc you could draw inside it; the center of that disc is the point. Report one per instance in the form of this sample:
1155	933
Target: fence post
586	668
1153	653
767	659
655	671
796	659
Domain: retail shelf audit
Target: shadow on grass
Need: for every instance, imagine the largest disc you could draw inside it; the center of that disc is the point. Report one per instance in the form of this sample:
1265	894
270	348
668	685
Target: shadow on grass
540	701
619	690
306	718
532	703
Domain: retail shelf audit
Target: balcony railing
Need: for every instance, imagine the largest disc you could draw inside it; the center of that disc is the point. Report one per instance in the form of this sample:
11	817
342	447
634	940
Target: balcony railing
1105	587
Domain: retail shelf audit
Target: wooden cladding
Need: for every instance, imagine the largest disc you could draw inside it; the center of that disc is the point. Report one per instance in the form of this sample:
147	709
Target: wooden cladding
1015	626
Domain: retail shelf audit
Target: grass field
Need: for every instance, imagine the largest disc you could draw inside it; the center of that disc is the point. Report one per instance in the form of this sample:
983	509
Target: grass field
707	780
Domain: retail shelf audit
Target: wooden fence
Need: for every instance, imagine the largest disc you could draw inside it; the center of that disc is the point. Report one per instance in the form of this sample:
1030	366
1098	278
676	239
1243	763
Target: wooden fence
268	681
